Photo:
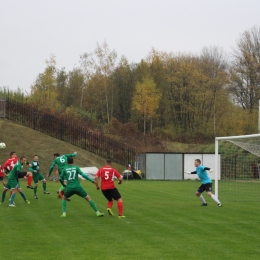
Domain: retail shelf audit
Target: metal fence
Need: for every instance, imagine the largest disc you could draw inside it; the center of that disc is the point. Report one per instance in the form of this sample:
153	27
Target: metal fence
69	131
2	107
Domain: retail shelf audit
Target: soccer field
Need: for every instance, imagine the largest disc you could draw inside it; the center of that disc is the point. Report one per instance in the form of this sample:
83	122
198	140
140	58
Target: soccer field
164	220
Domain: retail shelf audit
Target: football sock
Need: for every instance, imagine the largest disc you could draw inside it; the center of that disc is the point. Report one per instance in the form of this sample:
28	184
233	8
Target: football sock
29	180
120	208
11	192
3	196
202	199
215	198
110	204
61	193
12	198
44	186
61	188
93	205
63	206
35	190
23	195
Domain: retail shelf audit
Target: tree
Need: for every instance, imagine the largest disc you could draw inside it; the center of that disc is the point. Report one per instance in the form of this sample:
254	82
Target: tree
146	100
123	81
87	67
245	70
75	83
43	91
214	66
104	67
61	86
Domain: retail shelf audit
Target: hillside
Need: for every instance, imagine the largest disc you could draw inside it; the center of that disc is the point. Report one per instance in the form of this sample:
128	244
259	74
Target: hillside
26	141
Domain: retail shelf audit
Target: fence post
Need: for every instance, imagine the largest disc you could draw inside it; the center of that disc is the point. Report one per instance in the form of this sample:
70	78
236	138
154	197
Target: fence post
61	129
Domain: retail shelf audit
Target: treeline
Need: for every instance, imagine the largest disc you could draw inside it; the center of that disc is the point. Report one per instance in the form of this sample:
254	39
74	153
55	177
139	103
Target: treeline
183	97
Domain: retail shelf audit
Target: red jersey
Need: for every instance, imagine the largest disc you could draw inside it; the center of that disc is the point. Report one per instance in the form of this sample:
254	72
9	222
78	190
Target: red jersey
1	171
106	175
10	163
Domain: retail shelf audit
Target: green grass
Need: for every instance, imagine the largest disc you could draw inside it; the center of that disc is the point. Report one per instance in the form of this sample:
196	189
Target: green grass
164	218
164	221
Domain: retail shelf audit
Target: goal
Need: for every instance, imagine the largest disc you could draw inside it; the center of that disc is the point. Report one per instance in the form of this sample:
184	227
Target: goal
237	173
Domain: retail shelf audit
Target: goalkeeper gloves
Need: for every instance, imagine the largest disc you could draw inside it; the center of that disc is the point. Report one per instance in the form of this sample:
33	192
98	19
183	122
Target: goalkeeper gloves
211	170
187	172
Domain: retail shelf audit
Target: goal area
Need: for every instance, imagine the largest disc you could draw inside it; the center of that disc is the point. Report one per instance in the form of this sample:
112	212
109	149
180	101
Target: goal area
237	174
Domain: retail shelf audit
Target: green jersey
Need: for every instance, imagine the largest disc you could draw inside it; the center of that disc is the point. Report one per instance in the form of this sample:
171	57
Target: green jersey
35	167
13	175
70	173
61	162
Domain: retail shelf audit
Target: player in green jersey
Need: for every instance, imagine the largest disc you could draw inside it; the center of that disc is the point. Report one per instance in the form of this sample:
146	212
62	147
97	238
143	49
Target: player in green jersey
61	162
37	176
13	182
69	179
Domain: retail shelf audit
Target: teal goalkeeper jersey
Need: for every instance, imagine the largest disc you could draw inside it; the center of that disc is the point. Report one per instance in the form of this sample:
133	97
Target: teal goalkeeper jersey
203	175
70	173
61	162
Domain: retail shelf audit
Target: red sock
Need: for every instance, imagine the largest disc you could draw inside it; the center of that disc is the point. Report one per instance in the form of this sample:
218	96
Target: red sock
110	204
29	180
120	208
61	193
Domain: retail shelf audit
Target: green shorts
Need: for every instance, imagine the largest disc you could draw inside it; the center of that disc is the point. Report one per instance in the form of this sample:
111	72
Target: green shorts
38	177
11	185
79	191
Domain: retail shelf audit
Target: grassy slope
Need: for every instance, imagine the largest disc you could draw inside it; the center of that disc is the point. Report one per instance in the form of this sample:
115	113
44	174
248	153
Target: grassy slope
26	141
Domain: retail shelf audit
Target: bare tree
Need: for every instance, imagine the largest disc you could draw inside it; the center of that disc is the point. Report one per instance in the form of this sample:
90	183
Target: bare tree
214	65
105	66
245	70
87	67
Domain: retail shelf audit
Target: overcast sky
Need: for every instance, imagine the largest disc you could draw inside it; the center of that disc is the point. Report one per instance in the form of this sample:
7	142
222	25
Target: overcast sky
32	30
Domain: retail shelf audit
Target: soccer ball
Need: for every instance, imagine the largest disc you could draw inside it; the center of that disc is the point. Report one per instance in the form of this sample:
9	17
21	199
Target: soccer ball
2	145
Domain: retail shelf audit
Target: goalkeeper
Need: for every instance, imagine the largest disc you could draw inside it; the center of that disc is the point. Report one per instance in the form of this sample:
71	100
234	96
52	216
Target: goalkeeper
206	185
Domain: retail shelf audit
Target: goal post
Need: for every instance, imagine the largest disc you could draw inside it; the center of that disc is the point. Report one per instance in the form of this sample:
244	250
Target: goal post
238	168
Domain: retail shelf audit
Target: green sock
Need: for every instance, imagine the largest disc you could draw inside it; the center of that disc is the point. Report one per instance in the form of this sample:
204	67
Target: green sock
23	195
93	205
44	186
35	190
3	196
63	206
12	198
61	188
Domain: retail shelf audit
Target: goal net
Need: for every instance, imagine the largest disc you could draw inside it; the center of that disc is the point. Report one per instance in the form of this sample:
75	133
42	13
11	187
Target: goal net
238	169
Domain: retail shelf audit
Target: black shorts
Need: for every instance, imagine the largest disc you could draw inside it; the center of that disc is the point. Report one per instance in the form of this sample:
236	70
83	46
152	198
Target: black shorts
205	187
1	178
21	174
111	194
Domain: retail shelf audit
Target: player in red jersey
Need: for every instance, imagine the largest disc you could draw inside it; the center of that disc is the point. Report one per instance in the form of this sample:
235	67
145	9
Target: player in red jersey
106	175
2	174
9	164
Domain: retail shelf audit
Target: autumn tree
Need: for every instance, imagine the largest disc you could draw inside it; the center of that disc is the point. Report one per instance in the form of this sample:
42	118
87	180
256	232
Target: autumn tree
214	66
123	81
43	91
104	67
87	67
245	70
146	100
